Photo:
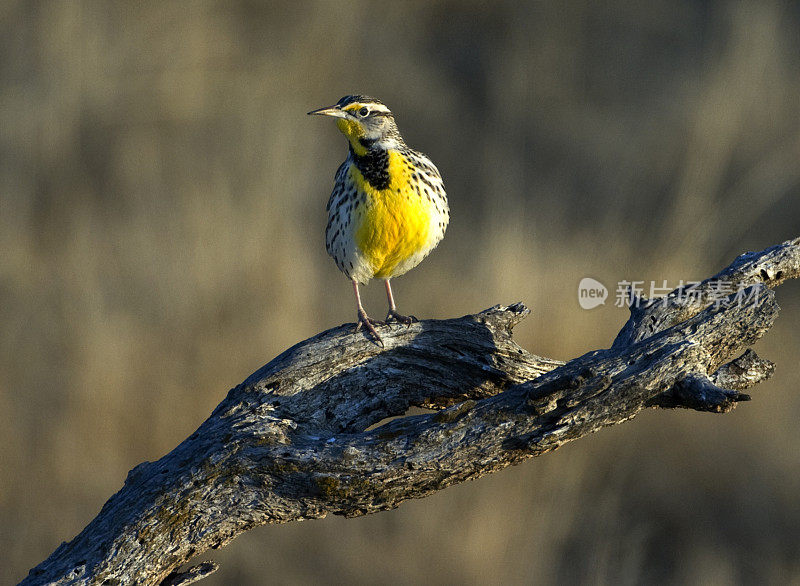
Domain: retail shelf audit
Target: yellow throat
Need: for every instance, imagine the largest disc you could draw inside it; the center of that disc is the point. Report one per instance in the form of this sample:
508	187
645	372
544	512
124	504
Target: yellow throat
353	131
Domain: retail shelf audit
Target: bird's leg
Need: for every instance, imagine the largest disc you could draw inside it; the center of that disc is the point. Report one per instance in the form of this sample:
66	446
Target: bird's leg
403	319
364	319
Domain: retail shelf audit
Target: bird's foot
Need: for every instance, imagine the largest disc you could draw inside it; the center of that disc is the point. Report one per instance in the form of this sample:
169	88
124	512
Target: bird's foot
369	323
403	319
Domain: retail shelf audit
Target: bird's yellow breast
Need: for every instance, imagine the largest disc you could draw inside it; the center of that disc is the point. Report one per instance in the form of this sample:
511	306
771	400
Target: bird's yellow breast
393	223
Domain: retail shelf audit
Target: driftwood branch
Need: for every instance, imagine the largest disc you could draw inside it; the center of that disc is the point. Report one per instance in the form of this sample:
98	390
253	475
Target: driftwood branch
299	438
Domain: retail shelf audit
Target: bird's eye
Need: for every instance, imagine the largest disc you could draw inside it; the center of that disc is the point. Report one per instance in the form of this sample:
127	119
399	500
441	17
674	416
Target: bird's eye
363	111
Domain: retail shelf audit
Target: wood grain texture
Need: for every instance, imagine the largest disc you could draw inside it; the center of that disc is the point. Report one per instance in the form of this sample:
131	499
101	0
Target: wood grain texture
299	438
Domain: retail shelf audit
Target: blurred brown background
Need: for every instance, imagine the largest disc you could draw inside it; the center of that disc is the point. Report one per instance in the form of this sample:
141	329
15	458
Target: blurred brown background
162	209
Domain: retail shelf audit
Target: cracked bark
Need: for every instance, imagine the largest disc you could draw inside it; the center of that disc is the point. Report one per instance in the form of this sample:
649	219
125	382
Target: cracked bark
297	439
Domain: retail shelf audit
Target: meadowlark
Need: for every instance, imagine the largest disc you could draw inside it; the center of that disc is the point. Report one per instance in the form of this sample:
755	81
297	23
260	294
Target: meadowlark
388	208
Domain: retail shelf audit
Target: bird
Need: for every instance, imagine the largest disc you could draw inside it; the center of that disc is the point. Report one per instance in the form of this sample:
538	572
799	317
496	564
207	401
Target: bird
388	208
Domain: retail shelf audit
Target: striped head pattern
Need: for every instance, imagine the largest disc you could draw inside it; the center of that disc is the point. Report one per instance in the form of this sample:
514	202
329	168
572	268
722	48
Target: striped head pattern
366	122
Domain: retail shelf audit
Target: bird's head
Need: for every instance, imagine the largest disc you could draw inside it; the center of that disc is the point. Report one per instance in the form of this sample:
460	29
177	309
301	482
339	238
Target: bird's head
366	122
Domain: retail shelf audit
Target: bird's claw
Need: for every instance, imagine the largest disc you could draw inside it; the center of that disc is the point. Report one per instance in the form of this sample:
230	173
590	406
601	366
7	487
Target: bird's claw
407	320
369	323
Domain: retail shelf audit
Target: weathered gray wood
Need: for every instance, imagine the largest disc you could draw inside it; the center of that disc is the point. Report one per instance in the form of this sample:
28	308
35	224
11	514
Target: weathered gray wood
191	575
771	267
295	440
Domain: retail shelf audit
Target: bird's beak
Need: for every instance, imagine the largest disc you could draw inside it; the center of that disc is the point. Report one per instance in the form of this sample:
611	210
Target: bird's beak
330	111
